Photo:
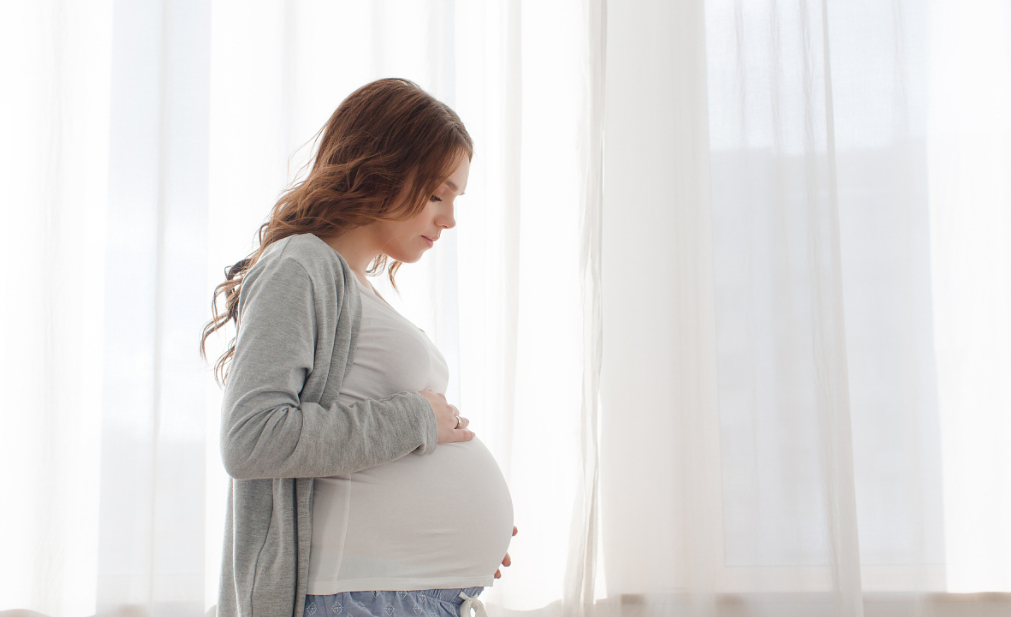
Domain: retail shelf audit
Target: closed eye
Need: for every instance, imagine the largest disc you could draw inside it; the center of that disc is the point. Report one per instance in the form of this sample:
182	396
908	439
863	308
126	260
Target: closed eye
434	198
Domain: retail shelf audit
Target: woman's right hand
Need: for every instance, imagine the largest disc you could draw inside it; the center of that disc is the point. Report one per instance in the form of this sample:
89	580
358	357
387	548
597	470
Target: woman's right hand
445	419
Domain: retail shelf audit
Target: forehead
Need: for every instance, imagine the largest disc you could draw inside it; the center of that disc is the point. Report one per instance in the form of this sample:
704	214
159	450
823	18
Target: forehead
457	181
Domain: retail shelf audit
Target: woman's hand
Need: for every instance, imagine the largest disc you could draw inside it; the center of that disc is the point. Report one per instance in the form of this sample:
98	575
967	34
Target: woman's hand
451	429
505	562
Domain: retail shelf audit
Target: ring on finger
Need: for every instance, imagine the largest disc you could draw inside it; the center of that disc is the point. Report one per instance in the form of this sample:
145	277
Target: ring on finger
459	422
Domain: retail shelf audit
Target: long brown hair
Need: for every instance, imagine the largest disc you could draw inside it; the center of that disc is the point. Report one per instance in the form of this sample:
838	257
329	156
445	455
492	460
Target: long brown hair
385	149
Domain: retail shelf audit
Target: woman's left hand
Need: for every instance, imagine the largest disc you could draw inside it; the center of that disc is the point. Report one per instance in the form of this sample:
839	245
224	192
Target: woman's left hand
505	562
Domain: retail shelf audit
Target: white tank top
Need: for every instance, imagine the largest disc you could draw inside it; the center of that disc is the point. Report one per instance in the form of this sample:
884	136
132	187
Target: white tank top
436	521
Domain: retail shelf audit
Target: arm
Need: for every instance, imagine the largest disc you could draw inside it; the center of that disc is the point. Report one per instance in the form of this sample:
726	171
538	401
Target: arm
267	430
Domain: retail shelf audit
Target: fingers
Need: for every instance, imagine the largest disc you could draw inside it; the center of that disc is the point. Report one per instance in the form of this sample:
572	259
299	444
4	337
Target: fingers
505	562
462	435
508	560
452	427
461	422
454	435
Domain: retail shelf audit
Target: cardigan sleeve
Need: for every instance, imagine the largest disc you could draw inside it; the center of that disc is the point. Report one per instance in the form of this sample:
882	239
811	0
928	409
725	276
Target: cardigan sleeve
267	431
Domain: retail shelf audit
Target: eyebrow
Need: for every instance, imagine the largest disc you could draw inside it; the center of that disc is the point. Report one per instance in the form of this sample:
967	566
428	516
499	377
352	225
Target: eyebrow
450	184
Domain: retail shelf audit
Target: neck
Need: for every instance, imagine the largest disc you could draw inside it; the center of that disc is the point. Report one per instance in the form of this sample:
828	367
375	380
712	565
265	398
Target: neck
358	249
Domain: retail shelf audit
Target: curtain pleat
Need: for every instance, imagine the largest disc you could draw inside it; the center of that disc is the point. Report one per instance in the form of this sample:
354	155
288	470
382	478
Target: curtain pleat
152	515
583	549
54	62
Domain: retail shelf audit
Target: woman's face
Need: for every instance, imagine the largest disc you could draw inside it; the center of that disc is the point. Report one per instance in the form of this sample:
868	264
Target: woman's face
408	240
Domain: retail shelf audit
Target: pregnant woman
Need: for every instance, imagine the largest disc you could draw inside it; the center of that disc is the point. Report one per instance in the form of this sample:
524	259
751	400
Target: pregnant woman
356	488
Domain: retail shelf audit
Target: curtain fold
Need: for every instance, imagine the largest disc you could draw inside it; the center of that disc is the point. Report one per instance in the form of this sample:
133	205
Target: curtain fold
54	63
583	545
968	155
660	452
727	298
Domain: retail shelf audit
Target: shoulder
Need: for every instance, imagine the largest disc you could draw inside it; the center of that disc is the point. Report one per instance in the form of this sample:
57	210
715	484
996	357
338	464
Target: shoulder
308	250
324	266
300	271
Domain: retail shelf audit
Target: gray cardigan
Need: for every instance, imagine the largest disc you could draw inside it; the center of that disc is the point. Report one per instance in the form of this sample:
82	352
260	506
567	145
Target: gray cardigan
282	426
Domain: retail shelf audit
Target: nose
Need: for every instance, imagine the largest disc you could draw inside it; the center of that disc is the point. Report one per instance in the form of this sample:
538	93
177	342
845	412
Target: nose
445	216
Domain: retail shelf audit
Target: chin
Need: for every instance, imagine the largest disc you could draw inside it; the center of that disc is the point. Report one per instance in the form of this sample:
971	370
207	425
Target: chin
407	259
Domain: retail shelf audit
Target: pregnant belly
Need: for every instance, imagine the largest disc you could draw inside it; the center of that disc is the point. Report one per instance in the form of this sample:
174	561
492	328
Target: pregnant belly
443	519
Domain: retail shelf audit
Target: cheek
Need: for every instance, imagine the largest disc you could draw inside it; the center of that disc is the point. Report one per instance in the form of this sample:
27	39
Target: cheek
397	230
405	237
409	229
417	225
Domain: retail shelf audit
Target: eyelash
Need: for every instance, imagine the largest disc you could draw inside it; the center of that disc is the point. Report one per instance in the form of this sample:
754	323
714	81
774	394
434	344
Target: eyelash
434	198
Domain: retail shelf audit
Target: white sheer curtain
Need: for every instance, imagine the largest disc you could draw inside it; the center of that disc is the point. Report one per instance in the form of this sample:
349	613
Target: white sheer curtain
805	224
728	298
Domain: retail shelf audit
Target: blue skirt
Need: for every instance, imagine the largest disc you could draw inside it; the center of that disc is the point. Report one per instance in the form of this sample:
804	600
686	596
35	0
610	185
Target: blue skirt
428	603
